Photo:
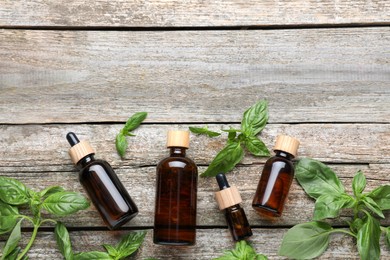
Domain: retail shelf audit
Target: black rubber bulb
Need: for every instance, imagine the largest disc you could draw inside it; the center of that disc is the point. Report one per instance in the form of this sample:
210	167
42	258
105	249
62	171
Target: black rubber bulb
72	138
222	181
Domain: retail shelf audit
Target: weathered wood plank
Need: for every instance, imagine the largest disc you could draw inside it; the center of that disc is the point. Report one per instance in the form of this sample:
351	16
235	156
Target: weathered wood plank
140	182
210	244
318	75
45	146
191	13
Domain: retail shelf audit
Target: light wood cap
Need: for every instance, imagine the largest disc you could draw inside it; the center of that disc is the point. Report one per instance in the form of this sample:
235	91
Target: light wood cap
79	151
287	144
178	138
228	197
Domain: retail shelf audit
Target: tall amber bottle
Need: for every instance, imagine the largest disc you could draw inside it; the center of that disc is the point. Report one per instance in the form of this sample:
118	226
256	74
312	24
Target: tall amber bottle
176	194
276	179
229	200
102	185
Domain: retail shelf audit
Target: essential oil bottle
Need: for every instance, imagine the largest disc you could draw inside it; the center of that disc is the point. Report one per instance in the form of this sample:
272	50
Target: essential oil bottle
176	194
276	178
102	185
229	200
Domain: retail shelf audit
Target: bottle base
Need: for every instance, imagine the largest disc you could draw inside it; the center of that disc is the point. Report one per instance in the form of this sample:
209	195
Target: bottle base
173	243
123	220
266	211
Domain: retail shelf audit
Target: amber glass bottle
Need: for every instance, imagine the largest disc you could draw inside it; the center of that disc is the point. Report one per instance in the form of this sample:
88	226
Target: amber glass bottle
102	185
176	194
276	178
229	200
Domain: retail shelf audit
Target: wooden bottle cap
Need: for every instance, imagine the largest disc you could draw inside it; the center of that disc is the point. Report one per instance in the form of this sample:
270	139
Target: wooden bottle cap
178	138
287	144
228	197
79	151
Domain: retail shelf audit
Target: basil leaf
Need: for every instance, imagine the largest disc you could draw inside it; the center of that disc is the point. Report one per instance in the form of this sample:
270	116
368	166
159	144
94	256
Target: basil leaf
65	203
121	143
388	236
203	130
242	251
368	239
356	225
8	217
371	204
111	250
255	118
130	243
225	160
256	147
13	240
93	255
317	179
50	190
358	183
13	192
307	240
63	241
134	121
14	254
381	196
329	205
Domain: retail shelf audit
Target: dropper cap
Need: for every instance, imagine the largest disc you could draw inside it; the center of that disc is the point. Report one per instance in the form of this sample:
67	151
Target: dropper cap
228	195
79	149
178	138
287	144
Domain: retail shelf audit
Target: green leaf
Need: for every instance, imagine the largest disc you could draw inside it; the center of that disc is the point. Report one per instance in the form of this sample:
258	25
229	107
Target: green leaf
12	241
13	192
8	217
65	203
14	254
111	251
242	251
121	144
255	118
63	241
368	239
93	255
50	190
358	183
204	131
329	205
130	243
388	237
317	179
381	196
225	160
134	121
256	147
373	206
356	225
307	240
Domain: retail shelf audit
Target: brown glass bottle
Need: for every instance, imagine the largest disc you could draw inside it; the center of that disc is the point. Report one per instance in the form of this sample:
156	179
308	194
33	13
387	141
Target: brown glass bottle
228	200
176	194
102	185
276	178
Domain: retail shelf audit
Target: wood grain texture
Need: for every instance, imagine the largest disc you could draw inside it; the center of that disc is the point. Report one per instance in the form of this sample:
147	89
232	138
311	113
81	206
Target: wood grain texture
316	75
210	244
191	13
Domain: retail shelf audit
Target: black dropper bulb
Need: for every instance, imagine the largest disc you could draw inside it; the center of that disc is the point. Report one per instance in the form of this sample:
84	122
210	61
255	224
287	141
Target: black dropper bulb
72	138
222	181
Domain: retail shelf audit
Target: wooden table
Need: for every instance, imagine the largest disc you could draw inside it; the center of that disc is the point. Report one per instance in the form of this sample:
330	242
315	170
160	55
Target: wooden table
86	66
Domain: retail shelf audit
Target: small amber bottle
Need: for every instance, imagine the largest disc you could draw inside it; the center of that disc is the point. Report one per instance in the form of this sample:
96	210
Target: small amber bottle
102	185
229	200
176	194
276	179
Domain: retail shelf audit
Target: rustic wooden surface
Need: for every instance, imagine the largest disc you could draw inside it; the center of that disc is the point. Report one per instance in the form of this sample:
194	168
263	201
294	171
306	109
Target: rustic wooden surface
75	66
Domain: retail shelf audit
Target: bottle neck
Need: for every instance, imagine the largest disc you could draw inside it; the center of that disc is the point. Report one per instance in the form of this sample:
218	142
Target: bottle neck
85	160
177	151
283	154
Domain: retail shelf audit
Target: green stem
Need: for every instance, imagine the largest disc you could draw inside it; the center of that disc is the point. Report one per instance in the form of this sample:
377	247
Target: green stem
343	231
48	220
32	239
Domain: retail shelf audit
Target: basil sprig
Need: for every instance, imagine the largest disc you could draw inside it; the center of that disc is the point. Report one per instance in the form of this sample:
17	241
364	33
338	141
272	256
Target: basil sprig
309	240
14	194
243	250
253	122
132	123
127	246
